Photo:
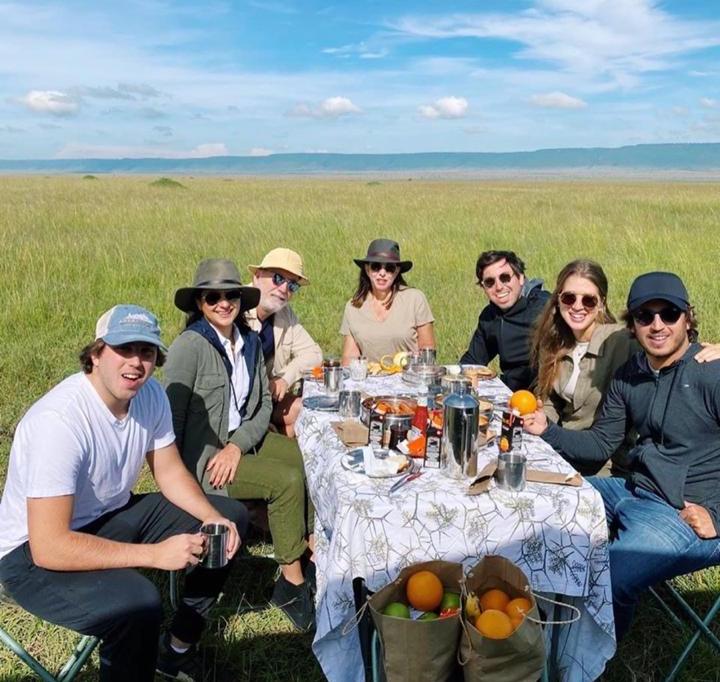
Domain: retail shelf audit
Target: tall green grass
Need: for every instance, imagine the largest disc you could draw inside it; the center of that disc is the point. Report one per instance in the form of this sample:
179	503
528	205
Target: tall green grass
71	249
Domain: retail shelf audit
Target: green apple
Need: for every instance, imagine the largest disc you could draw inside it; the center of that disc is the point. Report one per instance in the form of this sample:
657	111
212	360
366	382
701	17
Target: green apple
397	609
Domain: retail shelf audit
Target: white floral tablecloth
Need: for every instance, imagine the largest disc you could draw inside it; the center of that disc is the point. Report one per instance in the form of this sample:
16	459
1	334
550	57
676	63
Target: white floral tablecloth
556	534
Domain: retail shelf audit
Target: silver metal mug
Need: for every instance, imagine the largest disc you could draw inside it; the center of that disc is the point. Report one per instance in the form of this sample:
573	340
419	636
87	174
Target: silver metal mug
215	546
511	471
332	379
459	438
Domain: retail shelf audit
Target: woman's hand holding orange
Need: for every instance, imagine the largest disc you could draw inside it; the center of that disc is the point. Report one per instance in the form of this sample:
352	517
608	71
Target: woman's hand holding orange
536	422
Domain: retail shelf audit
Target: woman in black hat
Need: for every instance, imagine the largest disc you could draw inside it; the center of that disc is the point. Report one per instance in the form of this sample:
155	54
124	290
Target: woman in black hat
220	400
385	315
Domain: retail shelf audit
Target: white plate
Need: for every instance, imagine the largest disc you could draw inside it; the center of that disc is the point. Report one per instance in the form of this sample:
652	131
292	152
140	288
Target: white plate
353	461
321	403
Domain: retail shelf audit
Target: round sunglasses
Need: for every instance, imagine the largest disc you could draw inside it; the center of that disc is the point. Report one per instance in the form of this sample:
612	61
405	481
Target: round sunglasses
588	301
505	278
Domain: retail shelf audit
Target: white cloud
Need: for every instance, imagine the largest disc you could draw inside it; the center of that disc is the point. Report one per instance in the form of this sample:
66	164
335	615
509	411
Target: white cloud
361	50
709	103
445	107
616	39
332	107
557	100
259	151
86	151
50	102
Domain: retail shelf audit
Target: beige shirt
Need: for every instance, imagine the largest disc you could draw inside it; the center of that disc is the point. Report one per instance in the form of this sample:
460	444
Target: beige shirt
398	331
295	349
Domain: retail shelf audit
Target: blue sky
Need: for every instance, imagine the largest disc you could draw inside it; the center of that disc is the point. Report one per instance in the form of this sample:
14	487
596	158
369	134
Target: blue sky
179	79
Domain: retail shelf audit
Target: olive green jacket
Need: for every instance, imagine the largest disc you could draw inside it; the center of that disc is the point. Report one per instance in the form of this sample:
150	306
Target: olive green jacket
611	346
198	387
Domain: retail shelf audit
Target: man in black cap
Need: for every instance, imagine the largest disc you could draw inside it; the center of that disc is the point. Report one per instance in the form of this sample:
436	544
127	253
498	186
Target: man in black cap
664	519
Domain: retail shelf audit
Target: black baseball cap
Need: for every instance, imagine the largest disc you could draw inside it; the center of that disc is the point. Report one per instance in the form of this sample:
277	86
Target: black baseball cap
665	286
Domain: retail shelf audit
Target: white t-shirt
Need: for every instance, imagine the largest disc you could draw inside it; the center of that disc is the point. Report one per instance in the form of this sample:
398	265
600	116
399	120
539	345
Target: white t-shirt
69	443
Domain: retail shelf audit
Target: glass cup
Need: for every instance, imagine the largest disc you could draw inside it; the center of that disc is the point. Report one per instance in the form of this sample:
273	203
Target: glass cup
349	404
359	368
427	356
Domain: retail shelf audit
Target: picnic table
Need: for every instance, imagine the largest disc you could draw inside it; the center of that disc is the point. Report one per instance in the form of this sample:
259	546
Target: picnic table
556	534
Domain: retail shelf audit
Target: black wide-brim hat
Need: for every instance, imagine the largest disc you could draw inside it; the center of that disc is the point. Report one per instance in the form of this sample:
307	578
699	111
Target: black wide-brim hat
384	251
216	274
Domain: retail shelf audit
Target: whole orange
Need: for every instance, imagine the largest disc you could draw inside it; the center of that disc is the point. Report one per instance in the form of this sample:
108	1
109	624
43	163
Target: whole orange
518	607
494	599
424	591
494	624
523	401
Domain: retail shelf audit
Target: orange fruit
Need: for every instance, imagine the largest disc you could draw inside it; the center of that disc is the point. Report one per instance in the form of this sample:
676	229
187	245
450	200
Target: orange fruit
523	401
494	624
317	372
518	607
516	622
424	591
494	599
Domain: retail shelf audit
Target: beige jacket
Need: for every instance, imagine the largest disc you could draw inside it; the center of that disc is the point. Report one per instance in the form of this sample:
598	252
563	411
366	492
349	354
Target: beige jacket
295	349
610	347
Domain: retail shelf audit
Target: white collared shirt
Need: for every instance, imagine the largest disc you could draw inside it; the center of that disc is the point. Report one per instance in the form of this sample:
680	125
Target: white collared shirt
240	380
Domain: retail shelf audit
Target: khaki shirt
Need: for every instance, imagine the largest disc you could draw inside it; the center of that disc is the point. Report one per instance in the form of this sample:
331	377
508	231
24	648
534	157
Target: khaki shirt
398	331
295	349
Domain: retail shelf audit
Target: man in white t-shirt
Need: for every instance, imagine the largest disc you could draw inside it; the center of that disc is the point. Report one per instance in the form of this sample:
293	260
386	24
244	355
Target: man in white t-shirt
72	529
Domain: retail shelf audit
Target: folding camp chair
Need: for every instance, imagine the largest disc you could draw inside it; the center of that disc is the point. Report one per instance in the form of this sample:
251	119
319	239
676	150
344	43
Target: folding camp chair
701	625
83	650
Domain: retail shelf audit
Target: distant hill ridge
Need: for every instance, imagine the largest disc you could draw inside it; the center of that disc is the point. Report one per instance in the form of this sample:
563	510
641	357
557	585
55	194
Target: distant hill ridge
665	157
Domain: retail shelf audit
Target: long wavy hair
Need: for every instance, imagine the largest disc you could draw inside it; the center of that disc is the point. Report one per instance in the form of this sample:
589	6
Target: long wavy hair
552	337
364	287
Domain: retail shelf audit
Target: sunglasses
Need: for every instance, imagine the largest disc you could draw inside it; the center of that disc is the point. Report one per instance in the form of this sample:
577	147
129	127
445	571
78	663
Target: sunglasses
505	278
279	280
588	301
388	267
214	297
669	315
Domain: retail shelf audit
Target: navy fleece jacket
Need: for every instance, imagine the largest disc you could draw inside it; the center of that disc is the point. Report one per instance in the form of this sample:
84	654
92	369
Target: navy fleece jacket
507	333
676	415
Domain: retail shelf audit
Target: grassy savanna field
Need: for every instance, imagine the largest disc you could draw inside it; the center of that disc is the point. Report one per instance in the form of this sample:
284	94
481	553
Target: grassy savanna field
73	247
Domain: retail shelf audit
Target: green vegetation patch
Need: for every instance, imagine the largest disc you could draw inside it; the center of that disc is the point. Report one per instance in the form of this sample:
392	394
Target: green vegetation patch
167	182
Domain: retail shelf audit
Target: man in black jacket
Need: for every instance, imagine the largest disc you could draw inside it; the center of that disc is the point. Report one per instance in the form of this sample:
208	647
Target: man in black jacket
664	520
505	325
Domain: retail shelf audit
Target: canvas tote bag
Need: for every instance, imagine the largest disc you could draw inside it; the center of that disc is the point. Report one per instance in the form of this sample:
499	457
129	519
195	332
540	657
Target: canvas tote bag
418	651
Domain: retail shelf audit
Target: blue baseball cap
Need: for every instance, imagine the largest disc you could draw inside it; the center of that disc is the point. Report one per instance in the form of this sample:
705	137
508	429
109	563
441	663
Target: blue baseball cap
664	286
129	324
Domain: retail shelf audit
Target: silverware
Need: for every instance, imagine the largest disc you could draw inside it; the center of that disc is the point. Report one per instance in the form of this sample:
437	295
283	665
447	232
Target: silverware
410	477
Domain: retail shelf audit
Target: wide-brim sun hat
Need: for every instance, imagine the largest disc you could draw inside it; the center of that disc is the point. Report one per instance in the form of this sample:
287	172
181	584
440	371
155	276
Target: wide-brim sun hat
384	251
283	259
216	274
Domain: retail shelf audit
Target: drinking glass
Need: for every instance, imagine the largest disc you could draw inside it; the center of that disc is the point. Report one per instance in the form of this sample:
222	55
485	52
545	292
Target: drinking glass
359	368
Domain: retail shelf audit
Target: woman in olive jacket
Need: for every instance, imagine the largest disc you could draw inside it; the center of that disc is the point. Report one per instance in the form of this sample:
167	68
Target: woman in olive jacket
220	400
